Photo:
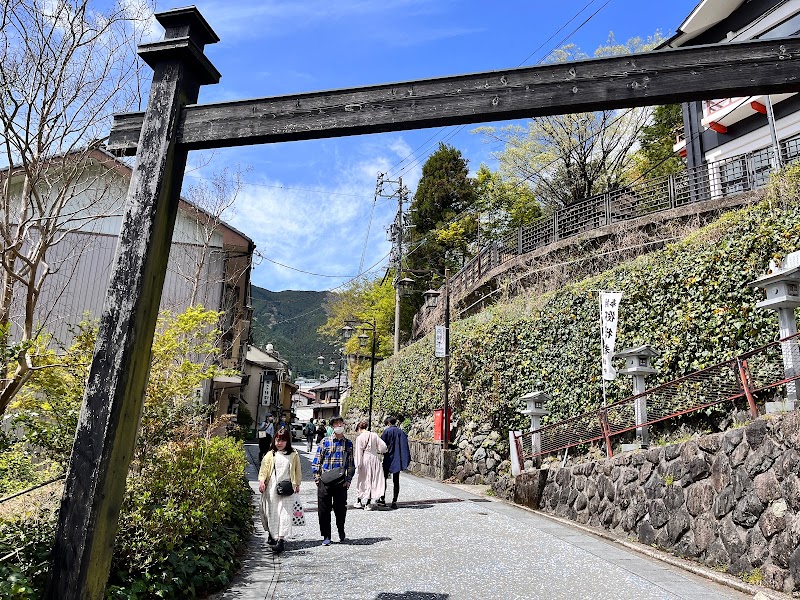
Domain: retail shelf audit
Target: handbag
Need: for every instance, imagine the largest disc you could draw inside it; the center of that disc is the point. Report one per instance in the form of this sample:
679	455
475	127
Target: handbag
298	516
284	487
335	477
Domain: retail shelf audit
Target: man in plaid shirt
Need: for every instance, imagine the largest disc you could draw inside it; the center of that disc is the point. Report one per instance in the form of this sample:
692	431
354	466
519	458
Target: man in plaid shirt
333	452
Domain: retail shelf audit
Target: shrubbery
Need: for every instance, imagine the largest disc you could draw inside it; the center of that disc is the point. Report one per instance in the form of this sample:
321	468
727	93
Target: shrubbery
187	505
690	301
182	520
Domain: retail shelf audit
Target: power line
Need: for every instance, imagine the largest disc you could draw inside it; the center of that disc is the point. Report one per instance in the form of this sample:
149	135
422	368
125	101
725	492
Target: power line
573	32
288	188
280	264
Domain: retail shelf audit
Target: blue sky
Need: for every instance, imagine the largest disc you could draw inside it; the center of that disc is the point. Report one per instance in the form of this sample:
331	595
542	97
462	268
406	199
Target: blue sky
308	205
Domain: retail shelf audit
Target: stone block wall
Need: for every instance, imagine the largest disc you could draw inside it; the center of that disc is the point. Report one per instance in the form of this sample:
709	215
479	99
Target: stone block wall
482	455
428	459
729	500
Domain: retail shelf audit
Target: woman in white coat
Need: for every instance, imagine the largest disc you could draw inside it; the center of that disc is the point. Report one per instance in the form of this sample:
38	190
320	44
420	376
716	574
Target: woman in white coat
369	450
282	462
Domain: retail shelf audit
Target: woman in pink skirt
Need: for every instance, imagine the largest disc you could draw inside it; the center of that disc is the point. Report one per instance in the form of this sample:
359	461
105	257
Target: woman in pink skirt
369	449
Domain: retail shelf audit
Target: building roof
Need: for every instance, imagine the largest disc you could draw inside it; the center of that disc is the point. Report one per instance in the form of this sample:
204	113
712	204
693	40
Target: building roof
101	155
703	17
267	359
331	384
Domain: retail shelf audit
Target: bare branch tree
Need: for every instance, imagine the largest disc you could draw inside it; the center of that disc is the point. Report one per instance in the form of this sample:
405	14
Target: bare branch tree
65	67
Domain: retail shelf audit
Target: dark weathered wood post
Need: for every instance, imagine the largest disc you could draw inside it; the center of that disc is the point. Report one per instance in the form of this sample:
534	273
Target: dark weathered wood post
114	395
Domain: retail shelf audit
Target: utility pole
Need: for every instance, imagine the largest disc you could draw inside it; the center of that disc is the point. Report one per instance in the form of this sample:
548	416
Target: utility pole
396	237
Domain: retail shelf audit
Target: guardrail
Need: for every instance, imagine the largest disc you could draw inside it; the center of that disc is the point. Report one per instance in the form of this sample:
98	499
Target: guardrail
741	378
710	181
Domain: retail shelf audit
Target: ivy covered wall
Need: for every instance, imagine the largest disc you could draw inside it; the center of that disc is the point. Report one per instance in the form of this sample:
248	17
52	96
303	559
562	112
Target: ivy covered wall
690	301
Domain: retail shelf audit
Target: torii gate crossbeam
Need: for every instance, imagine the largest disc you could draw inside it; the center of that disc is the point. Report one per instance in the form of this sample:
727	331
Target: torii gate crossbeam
661	77
172	125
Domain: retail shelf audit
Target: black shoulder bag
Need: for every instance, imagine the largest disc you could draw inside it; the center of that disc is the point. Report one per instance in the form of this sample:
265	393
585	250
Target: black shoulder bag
284	487
337	476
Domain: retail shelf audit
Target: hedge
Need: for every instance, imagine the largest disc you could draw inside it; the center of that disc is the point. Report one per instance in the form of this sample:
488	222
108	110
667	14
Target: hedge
183	519
691	301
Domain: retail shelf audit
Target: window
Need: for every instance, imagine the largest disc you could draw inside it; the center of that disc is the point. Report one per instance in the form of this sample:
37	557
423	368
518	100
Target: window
789	28
743	173
791	149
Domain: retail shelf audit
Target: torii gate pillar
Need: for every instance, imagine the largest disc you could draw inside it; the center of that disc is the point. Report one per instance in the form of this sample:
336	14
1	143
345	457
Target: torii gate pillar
112	403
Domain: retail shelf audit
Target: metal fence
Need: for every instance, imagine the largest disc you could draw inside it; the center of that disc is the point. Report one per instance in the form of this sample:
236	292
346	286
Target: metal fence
750	377
706	182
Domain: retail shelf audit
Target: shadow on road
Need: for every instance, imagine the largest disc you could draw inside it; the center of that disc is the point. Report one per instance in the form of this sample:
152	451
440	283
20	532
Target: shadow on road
411	596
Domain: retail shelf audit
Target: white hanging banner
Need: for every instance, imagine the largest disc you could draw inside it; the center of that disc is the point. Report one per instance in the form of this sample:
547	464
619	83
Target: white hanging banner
439	337
609	314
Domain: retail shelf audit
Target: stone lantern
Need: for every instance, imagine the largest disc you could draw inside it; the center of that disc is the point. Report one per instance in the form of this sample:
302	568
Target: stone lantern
637	365
781	285
535	408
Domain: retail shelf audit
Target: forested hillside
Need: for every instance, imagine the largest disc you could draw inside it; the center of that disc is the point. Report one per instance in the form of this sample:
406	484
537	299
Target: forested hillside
289	321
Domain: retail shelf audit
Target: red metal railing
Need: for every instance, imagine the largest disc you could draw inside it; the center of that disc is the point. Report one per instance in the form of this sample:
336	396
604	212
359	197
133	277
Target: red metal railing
745	377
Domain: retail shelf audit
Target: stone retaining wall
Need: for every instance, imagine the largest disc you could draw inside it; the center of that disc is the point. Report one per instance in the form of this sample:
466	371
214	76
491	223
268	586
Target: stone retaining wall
482	454
729	500
428	459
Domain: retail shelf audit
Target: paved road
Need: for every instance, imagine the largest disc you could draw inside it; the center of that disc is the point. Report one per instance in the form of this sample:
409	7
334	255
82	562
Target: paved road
444	543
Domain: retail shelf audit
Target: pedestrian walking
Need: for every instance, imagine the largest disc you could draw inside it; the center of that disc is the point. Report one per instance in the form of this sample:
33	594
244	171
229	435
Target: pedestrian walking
329	429
397	457
310	430
370	482
264	439
279	479
322	431
333	469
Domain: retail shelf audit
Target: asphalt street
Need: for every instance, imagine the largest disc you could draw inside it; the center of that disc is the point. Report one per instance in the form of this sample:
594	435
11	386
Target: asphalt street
446	543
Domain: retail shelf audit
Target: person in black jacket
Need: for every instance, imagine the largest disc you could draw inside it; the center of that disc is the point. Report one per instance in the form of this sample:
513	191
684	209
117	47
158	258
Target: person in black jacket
322	431
397	457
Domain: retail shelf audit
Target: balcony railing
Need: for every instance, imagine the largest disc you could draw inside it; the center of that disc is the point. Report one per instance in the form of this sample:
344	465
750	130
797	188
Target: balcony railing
710	181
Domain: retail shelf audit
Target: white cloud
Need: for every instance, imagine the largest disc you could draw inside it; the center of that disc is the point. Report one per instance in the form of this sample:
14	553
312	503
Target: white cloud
322	228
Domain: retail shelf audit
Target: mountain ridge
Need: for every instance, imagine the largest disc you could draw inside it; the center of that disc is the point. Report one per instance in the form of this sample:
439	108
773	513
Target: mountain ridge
289	320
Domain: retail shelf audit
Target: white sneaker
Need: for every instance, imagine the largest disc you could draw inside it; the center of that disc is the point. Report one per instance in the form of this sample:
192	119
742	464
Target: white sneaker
358	504
368	507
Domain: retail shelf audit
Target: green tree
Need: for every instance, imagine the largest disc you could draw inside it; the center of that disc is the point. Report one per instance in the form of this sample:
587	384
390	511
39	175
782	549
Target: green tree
566	158
656	157
363	301
442	234
184	355
504	205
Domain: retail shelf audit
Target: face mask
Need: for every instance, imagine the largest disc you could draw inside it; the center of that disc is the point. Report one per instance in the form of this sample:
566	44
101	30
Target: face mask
338	430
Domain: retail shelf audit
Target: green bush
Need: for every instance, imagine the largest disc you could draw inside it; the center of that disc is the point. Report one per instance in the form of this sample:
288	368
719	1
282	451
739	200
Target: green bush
185	514
691	301
183	518
25	542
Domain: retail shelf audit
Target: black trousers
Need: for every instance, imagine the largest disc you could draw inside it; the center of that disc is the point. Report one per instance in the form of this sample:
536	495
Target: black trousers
395	483
334	497
263	446
309	442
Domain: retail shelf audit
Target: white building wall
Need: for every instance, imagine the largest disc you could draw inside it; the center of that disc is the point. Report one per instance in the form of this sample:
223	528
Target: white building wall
81	264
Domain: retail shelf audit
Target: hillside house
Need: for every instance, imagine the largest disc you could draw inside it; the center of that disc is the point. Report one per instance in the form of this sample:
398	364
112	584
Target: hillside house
268	388
209	264
328	396
735	135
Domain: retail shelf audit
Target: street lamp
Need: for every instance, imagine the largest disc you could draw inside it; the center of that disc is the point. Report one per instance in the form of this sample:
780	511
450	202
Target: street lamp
362	342
442	341
332	367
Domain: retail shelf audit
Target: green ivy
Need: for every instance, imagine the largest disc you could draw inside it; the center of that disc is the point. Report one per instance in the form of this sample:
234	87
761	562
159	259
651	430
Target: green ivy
691	301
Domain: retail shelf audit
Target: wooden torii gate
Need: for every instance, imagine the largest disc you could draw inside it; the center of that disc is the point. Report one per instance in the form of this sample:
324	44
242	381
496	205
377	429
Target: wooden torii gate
173	125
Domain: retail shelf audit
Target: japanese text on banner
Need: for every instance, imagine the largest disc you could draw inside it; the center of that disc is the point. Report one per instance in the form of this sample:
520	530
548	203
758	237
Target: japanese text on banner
609	314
